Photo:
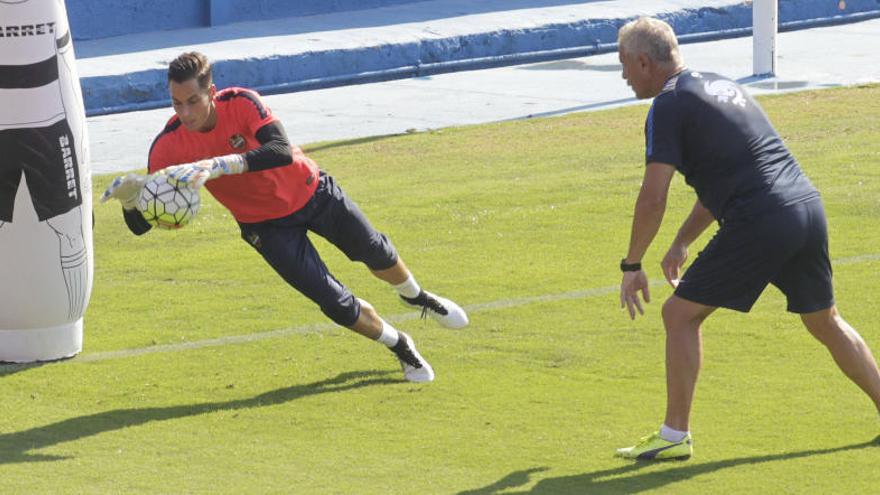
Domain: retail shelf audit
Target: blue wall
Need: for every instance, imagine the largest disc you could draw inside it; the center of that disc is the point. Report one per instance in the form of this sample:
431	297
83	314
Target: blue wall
291	70
228	11
91	19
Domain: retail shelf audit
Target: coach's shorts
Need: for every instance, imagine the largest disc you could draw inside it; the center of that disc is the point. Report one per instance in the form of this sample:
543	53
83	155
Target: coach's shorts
283	243
47	158
787	247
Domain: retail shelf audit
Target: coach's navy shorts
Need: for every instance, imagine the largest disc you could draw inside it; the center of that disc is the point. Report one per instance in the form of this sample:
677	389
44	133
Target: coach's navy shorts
283	243
787	248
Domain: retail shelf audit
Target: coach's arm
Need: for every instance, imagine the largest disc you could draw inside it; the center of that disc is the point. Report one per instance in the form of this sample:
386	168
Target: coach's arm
648	215
694	225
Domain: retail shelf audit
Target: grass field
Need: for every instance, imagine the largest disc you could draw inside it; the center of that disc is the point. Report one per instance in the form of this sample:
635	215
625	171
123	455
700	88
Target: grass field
204	373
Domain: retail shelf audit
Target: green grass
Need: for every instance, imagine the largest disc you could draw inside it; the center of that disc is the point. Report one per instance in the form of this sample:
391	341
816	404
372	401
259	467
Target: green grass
531	398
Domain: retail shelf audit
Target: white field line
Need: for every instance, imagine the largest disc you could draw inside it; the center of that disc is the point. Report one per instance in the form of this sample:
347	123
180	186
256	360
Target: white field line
325	327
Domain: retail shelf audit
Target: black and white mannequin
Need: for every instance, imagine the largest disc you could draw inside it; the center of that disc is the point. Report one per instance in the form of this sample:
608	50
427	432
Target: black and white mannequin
46	259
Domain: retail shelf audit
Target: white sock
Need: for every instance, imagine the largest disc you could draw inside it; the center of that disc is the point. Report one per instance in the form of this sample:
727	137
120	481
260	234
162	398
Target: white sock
671	435
389	335
410	288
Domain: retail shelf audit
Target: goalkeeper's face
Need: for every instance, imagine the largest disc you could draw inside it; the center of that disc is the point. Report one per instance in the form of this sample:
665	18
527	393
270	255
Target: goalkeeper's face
193	104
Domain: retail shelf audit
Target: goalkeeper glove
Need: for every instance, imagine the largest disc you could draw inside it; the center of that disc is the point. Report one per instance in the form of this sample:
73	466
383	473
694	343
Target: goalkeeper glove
125	188
197	173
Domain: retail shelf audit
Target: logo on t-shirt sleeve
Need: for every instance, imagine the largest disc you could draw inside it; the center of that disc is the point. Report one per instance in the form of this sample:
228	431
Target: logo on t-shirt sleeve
725	92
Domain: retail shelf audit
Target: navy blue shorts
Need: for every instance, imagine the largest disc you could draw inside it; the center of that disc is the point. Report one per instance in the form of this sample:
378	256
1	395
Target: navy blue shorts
283	243
787	248
46	156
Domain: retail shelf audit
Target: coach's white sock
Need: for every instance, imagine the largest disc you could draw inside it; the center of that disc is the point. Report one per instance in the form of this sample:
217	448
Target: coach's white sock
409	288
672	435
389	335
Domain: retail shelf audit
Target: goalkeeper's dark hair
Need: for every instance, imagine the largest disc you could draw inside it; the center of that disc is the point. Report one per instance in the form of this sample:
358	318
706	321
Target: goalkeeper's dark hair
191	65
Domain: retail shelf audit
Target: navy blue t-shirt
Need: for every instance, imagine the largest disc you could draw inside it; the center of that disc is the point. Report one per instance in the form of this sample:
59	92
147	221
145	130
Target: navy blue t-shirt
718	137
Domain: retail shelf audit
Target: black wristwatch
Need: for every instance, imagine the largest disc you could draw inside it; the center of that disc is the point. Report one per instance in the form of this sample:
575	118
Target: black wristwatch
629	267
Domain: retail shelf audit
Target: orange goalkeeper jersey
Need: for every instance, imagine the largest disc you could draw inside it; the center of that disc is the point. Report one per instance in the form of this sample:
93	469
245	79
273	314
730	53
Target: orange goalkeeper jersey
253	196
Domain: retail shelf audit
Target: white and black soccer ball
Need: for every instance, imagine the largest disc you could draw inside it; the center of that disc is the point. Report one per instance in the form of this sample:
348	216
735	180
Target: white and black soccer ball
166	203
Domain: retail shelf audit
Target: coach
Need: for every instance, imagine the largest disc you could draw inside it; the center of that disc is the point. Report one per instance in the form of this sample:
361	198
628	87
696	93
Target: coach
772	227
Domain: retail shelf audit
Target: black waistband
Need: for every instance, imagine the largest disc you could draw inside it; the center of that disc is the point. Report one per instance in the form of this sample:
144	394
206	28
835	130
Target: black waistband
29	76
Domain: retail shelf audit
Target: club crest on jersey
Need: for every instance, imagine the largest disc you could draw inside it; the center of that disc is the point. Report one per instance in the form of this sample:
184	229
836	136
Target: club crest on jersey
237	141
725	92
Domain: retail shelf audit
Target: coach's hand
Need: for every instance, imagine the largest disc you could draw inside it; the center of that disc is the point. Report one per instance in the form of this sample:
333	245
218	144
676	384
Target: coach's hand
632	283
125	188
197	173
672	263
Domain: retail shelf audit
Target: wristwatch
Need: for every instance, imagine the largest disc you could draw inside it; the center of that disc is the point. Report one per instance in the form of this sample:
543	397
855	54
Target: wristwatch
629	267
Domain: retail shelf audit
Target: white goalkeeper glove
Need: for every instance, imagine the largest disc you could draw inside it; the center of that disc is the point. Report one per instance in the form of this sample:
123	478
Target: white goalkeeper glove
197	173
125	188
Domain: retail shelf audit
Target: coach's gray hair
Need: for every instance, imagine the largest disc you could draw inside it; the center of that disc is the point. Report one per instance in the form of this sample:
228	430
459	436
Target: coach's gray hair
650	36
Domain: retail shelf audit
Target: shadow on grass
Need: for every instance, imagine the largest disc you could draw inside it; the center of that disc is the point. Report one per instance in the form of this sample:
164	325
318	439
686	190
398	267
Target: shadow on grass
14	446
12	368
628	479
7	368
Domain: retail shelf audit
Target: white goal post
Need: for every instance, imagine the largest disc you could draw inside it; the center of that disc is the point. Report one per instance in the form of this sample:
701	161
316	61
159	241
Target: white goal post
765	14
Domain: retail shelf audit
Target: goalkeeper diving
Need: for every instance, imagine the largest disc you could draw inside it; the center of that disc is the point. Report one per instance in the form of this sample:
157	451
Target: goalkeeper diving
230	142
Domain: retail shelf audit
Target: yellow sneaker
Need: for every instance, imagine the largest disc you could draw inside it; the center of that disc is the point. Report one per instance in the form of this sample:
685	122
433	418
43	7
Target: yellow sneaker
654	448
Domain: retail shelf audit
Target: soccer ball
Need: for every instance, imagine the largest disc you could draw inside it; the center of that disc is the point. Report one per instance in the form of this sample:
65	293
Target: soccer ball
166	203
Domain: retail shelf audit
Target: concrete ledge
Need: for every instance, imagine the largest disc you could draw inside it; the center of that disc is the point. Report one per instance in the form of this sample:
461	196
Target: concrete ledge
128	73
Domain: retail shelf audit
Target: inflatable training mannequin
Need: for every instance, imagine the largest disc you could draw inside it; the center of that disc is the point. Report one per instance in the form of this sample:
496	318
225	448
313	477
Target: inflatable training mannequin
46	258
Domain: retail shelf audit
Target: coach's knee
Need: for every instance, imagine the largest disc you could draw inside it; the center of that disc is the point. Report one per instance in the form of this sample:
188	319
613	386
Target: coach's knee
823	324
679	314
671	315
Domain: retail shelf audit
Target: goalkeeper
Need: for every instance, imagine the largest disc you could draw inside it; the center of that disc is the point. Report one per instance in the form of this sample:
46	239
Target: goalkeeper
231	143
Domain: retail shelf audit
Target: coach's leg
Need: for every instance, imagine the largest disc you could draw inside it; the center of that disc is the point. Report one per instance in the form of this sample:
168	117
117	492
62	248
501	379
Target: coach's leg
684	355
848	349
